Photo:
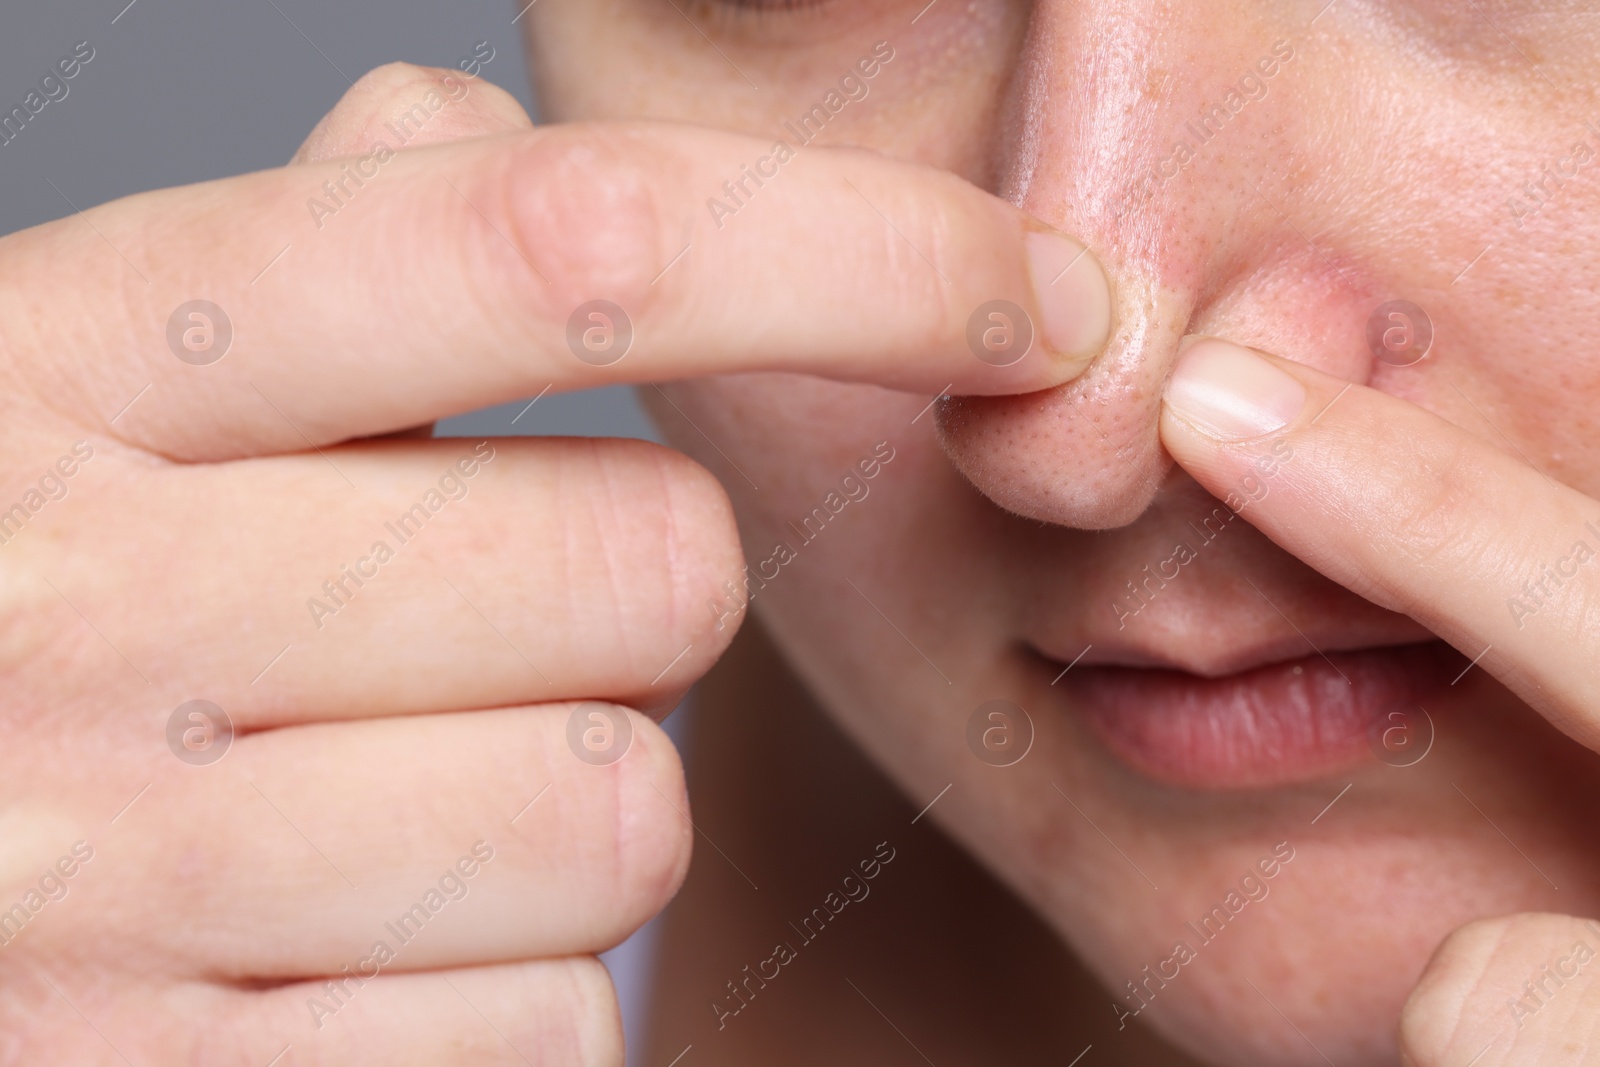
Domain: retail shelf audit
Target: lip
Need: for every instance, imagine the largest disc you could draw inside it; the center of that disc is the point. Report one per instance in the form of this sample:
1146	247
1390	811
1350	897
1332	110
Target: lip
1279	723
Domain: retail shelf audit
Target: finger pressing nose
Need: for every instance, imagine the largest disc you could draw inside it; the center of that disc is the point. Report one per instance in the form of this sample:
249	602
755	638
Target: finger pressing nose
1170	163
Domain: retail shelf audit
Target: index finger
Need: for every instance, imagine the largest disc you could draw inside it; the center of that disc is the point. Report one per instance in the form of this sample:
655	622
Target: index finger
368	295
1408	510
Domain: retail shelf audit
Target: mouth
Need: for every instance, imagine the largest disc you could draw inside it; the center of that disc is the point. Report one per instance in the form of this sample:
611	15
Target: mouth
1283	722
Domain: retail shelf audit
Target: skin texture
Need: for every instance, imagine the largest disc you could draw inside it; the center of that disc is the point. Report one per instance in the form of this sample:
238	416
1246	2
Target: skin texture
1378	165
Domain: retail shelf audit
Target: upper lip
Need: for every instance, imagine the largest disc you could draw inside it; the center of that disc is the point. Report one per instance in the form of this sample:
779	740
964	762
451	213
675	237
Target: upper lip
1239	603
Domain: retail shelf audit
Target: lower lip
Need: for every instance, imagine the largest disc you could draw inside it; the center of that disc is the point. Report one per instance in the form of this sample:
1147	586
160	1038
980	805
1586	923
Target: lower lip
1282	723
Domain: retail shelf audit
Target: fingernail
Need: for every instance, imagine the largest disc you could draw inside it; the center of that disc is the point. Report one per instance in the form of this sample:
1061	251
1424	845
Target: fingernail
1073	295
1231	393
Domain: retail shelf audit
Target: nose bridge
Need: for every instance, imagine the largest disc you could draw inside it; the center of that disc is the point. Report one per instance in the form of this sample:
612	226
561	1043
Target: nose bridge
1130	109
1140	127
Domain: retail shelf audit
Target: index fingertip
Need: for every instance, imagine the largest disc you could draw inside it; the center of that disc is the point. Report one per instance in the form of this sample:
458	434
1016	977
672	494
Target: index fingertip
1073	295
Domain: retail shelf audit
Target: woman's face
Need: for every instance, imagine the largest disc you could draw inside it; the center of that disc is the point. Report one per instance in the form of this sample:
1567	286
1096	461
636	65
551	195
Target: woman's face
1272	173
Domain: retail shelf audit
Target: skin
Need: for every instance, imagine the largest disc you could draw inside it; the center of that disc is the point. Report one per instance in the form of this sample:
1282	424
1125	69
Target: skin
986	536
386	744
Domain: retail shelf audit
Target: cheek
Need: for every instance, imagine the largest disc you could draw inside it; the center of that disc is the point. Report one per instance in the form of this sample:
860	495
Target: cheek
1529	345
936	101
783	444
853	605
1485	246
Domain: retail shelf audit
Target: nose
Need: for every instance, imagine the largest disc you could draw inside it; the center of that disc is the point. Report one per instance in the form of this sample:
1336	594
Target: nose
1176	140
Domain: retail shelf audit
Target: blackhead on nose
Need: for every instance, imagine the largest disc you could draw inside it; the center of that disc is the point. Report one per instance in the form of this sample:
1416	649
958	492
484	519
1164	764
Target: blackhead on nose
1169	138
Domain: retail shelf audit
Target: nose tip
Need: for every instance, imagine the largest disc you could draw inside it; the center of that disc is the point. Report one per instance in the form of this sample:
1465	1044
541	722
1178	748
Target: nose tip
1085	160
1150	133
1086	454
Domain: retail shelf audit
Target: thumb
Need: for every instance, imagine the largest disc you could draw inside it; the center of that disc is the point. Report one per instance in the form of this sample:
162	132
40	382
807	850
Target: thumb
1516	990
400	105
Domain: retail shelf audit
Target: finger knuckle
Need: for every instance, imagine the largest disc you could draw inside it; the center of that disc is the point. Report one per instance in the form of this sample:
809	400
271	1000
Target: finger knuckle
934	232
703	538
920	289
387	107
659	506
1431	521
1428	520
587	218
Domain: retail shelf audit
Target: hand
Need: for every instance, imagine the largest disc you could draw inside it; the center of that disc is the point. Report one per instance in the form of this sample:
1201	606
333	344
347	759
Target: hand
405	819
1422	518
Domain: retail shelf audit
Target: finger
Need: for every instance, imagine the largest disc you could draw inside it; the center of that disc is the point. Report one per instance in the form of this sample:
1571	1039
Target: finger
561	1013
400	105
396	104
389	845
393	578
454	277
1518	990
1406	509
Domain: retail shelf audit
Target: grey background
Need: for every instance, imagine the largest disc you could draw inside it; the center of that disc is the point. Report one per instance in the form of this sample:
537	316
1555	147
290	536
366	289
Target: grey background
180	91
